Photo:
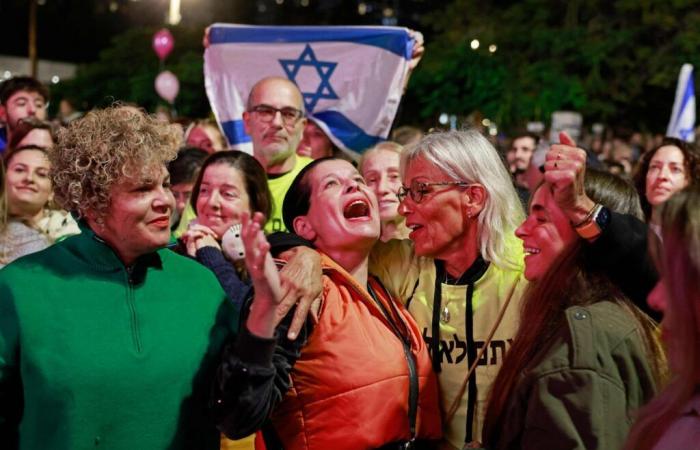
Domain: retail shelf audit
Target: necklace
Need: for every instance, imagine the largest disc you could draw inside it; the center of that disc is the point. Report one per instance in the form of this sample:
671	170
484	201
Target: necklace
445	314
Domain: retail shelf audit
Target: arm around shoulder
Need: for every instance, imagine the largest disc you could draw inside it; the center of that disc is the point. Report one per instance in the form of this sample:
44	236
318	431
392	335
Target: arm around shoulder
621	251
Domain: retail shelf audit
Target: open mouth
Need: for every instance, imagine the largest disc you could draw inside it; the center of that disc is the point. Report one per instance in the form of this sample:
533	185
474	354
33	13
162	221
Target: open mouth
356	209
531	251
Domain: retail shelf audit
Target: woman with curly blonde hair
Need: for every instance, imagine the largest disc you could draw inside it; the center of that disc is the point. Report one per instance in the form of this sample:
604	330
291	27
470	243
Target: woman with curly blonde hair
108	338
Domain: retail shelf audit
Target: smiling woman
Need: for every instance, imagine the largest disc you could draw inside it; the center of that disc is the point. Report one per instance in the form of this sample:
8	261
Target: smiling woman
27	223
584	356
358	325
380	167
103	313
460	275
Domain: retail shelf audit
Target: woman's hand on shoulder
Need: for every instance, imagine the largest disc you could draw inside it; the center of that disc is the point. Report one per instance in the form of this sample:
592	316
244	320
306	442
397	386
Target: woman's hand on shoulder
301	282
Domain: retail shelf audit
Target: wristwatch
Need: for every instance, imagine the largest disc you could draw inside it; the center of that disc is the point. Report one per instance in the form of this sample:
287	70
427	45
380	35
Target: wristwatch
597	220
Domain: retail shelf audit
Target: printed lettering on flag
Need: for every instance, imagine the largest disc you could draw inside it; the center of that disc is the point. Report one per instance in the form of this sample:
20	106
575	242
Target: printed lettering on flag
351	78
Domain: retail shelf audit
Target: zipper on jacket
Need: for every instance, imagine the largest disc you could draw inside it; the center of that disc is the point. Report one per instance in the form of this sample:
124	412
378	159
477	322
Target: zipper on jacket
413	386
133	317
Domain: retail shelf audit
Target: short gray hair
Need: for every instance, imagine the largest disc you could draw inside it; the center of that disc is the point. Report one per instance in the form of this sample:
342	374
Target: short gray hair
467	156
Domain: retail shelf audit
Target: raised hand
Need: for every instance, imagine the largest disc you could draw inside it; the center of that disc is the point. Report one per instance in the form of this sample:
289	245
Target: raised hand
418	48
263	316
565	171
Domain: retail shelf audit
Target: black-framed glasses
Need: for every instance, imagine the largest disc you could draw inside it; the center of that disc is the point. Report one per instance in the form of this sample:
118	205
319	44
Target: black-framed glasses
267	113
417	189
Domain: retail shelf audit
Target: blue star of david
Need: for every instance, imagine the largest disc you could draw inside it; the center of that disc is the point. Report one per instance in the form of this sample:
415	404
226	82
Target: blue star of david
324	68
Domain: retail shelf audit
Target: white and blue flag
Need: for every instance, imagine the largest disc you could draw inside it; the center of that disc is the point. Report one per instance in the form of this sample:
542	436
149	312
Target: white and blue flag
351	78
682	123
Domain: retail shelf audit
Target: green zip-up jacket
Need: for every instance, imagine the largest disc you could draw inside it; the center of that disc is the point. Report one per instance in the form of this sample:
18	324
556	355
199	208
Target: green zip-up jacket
583	394
97	355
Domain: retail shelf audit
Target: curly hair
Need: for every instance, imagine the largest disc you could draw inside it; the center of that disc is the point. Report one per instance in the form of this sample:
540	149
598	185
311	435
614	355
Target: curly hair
691	163
105	146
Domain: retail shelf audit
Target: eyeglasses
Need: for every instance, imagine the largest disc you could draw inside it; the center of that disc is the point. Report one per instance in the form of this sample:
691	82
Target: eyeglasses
417	190
267	113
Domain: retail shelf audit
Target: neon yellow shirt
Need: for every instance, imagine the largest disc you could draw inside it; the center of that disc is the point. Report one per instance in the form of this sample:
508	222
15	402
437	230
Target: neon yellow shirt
410	277
279	185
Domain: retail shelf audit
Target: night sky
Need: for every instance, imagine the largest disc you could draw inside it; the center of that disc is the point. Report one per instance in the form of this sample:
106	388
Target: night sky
76	30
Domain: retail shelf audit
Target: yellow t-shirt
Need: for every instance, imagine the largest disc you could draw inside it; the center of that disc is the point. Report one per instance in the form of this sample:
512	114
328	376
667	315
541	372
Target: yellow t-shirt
279	185
413	278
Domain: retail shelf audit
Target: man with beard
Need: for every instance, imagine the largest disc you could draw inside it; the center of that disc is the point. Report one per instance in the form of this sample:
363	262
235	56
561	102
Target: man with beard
518	158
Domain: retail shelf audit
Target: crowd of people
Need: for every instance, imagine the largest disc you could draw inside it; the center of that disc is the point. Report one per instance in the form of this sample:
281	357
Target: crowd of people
165	291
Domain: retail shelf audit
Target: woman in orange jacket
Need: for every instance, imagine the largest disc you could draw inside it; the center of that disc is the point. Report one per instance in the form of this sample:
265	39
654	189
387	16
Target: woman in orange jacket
359	375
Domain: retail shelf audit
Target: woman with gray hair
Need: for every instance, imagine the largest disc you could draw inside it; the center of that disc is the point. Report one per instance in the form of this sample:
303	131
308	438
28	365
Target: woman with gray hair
107	338
461	274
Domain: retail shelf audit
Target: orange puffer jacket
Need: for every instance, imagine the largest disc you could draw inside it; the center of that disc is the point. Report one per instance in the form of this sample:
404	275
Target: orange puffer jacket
351	387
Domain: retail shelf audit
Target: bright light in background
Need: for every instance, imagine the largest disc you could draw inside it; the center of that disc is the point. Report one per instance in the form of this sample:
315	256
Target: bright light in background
362	9
55	79
444	118
174	16
279	2
474	44
113	6
304	2
493	48
7	74
486	122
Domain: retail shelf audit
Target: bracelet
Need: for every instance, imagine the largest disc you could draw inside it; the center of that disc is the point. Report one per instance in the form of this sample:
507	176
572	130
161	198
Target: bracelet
589	216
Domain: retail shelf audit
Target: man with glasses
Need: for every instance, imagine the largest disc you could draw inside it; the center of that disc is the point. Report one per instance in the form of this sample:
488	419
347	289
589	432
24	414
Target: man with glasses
20	97
275	121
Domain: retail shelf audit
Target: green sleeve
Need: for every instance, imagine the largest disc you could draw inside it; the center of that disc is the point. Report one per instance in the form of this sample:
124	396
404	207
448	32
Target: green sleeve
10	383
575	409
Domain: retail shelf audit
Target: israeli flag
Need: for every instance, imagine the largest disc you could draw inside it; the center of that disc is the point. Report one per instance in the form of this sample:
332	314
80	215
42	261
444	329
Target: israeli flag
351	78
682	123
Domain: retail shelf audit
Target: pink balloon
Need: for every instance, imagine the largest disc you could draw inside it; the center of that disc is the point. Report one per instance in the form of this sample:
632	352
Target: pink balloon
163	42
167	85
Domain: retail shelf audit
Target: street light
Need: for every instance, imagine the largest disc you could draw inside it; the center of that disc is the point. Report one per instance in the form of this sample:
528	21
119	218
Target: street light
474	44
493	48
174	16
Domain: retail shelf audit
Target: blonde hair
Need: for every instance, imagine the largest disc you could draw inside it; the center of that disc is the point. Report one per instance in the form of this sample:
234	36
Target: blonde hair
98	150
386	145
679	262
468	156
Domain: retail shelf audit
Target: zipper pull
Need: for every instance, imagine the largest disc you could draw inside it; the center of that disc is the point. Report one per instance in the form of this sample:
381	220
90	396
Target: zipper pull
130	274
